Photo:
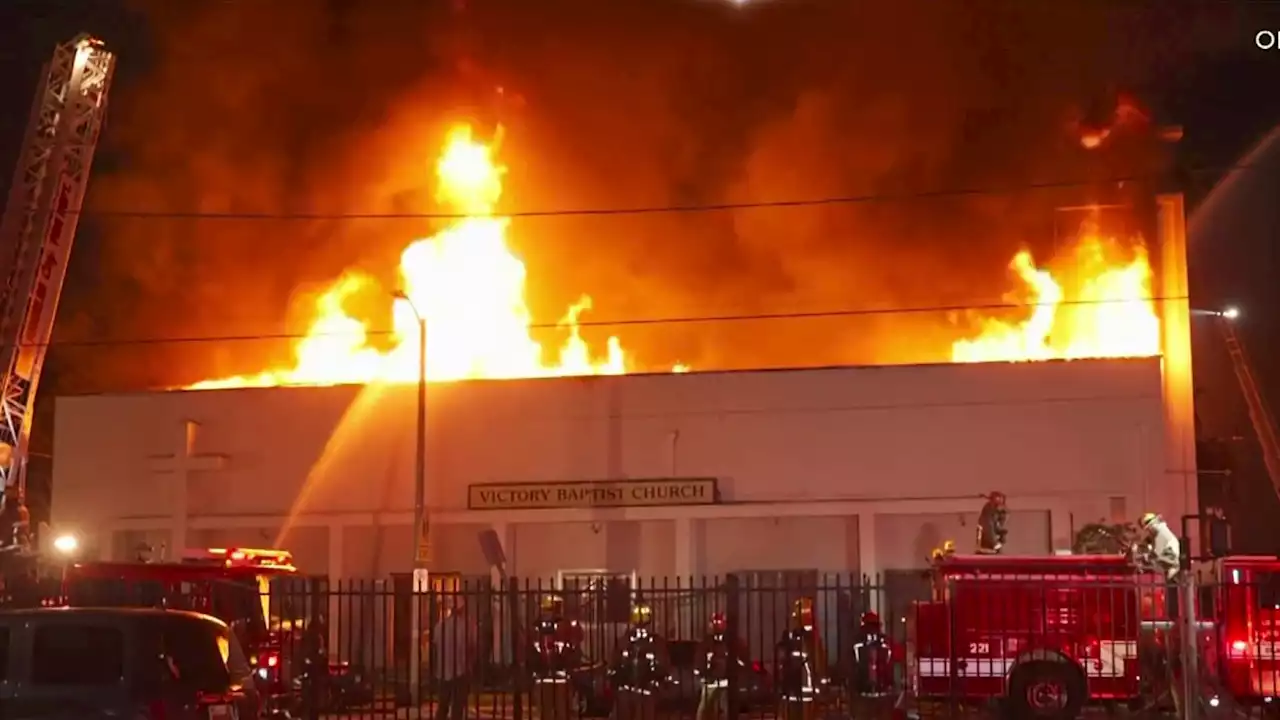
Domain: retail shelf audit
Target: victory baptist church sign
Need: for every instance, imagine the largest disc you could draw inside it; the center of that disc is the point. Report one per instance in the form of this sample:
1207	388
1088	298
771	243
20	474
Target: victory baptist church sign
592	494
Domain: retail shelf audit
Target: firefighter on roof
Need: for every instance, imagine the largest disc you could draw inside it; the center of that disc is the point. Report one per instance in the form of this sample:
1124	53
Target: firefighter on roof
641	668
802	664
991	525
1166	551
556	656
718	655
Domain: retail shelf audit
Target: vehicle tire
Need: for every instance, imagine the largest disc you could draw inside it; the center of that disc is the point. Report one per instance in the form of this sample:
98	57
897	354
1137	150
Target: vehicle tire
1045	690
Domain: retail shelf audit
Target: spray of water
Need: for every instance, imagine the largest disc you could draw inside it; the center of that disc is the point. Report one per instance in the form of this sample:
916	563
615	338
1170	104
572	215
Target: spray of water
1222	199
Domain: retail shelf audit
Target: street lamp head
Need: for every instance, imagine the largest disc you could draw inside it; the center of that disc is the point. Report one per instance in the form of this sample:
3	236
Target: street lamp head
402	295
1231	313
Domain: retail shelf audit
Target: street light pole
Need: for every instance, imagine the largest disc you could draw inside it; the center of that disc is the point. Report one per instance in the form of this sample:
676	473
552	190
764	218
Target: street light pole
421	522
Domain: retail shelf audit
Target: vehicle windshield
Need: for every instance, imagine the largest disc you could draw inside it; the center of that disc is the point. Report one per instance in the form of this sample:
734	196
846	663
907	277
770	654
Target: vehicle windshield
1267	585
289	603
234	600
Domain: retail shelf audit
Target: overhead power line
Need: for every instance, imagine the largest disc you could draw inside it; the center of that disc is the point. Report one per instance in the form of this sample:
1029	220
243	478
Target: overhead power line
662	209
687	320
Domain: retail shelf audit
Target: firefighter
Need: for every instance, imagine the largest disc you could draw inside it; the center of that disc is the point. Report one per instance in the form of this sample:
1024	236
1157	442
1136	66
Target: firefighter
556	656
942	553
872	659
1166	551
641	669
315	677
802	664
991	525
718	655
14	519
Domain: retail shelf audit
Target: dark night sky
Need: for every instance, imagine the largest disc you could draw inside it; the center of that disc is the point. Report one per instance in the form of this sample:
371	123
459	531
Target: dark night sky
305	105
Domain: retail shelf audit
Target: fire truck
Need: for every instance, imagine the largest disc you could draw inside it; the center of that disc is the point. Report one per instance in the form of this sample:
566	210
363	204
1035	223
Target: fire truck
1243	602
277	614
1045	636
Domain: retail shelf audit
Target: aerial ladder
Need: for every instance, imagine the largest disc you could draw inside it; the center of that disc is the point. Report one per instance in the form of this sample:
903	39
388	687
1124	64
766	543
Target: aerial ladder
1264	425
36	232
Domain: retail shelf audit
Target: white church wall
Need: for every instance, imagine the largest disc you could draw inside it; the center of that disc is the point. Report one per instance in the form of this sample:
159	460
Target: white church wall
543	549
1081	431
777	543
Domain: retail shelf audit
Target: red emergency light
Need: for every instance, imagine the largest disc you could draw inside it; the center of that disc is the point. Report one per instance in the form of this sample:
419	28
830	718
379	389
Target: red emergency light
244	557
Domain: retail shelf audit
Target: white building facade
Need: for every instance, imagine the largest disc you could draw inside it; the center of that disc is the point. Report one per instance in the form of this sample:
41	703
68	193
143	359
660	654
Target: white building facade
833	470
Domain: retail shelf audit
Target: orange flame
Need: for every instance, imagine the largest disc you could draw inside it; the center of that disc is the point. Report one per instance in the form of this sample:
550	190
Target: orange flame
1108	312
470	289
468	286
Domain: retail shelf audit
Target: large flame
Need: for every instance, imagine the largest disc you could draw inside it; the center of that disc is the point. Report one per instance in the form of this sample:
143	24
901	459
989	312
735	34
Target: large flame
470	288
467	285
1098	308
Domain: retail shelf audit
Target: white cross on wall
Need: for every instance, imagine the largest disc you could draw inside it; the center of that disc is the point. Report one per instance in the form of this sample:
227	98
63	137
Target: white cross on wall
182	464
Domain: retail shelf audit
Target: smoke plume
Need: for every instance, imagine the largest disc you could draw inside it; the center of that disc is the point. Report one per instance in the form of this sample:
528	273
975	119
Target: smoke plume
339	107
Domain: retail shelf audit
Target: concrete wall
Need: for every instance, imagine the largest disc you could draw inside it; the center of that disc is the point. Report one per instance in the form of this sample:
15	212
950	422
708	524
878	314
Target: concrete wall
1082	434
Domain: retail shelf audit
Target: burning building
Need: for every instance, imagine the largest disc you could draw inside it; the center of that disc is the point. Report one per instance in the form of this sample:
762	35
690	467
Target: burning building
1078	409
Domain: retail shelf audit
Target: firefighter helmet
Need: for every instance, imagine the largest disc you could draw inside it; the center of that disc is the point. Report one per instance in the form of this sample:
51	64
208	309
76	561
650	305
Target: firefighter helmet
996	497
870	619
641	613
551	602
949	547
718	622
802	610
1149	520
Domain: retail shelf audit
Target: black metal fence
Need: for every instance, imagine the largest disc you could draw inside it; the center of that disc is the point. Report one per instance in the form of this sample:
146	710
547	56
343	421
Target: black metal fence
484	634
884	646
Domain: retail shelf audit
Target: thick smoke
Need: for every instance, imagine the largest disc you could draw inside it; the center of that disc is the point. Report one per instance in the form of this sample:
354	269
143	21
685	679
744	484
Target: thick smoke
333	107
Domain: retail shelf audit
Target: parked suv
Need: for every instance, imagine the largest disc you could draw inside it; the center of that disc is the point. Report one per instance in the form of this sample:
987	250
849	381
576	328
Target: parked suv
117	662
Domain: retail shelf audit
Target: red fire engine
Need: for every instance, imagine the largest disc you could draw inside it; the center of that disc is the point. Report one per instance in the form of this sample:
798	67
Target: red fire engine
1045	632
1244	604
1047	635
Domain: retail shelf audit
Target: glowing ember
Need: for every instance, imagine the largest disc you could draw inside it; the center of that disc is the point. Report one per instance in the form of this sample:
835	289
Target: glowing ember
465	282
1106	310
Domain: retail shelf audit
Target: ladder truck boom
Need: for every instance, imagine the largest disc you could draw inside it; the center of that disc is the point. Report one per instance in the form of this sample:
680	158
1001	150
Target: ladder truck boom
36	232
1264	425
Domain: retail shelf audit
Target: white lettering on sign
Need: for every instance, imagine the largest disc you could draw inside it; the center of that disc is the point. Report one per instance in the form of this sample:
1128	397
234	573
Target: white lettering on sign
1267	39
603	493
979	648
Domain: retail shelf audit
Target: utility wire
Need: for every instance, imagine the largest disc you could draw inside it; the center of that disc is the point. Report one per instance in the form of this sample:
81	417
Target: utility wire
691	320
665	209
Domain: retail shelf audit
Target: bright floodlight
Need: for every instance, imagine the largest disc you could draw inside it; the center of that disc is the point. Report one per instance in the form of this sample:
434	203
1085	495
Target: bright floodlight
1231	313
66	544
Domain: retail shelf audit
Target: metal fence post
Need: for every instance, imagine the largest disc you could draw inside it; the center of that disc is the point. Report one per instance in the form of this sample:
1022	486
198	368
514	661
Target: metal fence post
953	676
733	627
1190	646
514	630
